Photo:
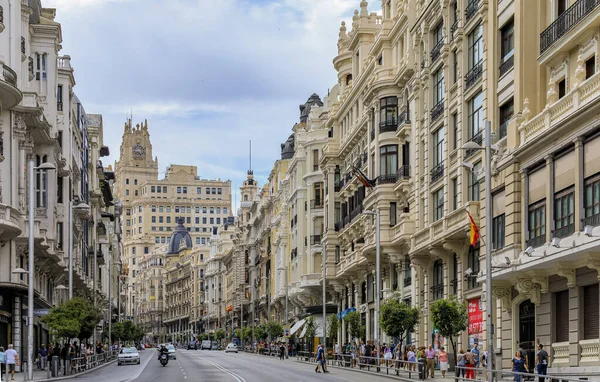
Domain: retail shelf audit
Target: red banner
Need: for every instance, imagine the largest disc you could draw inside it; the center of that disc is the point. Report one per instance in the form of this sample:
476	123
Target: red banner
475	317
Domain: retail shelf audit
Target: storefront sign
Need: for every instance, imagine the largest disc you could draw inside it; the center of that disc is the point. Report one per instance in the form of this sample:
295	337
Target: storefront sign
475	320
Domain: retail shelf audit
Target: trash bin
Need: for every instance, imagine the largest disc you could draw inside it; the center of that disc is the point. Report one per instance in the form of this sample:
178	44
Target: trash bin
54	366
422	365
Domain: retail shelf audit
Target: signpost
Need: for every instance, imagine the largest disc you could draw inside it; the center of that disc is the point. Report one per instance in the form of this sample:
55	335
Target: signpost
40	312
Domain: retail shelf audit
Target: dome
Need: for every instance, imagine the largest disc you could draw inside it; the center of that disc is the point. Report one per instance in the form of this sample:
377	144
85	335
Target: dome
314	99
180	238
287	148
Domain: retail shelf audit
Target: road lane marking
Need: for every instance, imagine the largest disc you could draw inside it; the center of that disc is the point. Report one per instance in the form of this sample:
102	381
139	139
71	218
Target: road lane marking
237	377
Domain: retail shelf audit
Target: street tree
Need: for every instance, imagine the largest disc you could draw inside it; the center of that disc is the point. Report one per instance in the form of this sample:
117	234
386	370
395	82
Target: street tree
75	318
310	332
220	334
274	329
332	327
398	318
450	318
260	332
355	326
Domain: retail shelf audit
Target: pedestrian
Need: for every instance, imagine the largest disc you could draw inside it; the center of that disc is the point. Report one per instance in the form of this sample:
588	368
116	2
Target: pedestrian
519	366
411	358
430	354
443	358
321	359
281	351
387	355
469	365
12	359
43	353
2	362
541	362
476	358
460	362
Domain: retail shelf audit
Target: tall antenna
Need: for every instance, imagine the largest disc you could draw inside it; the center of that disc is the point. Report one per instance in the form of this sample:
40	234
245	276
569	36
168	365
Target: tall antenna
234	211
250	158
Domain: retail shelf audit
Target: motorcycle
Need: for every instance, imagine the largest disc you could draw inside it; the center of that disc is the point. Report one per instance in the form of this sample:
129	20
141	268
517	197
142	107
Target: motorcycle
164	359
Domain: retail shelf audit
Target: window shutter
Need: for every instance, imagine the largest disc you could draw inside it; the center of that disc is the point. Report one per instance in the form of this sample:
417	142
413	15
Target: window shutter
591	313
561	315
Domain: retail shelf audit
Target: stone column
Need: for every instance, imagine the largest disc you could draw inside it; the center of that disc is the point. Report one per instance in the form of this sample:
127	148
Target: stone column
579	185
550	196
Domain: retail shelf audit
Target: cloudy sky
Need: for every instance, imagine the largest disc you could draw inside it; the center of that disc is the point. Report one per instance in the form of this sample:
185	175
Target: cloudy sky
209	75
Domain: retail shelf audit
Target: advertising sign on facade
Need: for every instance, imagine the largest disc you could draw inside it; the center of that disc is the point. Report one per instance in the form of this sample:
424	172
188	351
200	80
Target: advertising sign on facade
475	321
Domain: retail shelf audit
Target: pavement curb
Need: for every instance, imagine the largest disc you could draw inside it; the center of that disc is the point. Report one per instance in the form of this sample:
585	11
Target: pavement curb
396	377
76	375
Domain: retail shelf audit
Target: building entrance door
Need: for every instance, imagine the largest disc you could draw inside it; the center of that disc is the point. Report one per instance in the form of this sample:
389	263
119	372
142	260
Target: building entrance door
527	331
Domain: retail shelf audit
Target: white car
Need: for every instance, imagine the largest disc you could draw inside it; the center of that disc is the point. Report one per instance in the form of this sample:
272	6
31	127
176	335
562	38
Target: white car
231	347
171	350
128	355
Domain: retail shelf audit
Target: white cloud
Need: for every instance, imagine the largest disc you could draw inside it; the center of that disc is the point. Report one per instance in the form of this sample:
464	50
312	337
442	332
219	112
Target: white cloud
207	74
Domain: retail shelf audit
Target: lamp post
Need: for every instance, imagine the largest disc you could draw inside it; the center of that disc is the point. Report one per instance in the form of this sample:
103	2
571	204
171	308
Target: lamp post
323	265
30	287
377	277
80	206
488	246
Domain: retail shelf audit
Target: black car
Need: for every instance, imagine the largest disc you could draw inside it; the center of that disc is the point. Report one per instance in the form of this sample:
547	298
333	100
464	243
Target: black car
192	345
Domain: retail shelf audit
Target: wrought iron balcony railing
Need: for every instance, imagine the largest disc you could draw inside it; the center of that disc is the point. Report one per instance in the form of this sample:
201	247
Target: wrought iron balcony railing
437	111
474	74
9	75
565	22
477	138
437	172
388	126
471	10
387	179
403	172
507	65
437	49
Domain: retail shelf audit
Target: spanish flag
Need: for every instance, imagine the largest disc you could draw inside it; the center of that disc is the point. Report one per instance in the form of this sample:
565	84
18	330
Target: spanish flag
474	232
368	183
229	308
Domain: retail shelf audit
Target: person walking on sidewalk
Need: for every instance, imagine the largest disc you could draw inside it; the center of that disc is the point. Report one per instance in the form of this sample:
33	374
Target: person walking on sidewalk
321	359
12	359
43	353
541	362
443	358
469	364
430	354
2	363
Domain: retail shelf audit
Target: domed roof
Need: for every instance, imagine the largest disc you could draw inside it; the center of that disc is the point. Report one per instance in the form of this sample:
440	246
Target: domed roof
180	238
314	99
287	148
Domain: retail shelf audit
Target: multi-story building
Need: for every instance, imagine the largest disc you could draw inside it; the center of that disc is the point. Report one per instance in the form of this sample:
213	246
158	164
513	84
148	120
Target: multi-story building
42	120
152	206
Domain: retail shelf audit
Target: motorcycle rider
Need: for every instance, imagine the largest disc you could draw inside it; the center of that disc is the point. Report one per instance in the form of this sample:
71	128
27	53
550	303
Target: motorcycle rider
163	350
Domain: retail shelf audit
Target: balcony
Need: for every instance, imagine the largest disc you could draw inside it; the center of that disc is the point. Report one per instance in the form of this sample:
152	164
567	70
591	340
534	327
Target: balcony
407	281
388	126
437	111
593	220
474	74
403	172
315	239
386	179
9	223
536	241
477	138
30	69
437	172
565	231
403	131
565	22
453	29
404	230
437	291
355	212
507	65
436	51
502	130
10	95
373	134
338	226
1	19
23	43
471	10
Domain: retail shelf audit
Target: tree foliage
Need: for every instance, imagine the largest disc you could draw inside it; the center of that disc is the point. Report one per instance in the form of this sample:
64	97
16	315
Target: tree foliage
355	326
450	318
126	331
397	318
274	329
260	332
332	327
219	334
75	318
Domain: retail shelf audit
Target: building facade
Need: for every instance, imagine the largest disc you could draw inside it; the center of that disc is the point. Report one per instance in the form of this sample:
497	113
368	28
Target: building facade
42	120
152	206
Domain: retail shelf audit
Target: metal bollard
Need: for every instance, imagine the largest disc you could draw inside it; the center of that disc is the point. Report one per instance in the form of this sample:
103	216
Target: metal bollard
55	362
25	371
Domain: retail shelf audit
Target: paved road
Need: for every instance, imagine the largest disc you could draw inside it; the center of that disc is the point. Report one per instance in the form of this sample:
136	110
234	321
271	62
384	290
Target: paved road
216	366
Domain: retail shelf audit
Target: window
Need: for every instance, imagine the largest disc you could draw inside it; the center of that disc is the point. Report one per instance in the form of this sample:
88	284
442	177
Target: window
185	190
152	189
59	98
591	312
41	183
153	208
188	220
158	188
438	33
537	224
592	201
146	250
140	219
179	190
219	191
475	46
437	285
168	219
176	208
218	210
454	194
197	220
564	213
203	240
392	214
454	131
156	239
59	235
475	115
135	192
388	111
160	219
168	208
214	191
40	66
218	220
474	193
498	232
197	240
203	220
438	146
389	159
590	67
508	46
212	210
370	288
454	66
438	86
562	88
160	209
203	210
212	220
164	189
473	263
59	189
438	204
208	190
561	316
135	182
188	210
198	190
225	210
506	113
153	219
562	6
127	181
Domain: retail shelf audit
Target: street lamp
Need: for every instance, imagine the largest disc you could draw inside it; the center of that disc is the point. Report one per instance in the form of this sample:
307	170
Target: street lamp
488	224
81	206
377	276
286	302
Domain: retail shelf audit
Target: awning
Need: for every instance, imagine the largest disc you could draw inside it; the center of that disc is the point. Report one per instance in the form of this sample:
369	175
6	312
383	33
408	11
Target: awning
297	326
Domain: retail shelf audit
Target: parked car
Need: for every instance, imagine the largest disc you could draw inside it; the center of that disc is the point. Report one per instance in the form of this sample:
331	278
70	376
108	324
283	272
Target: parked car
215	345
205	345
128	355
171	350
231	348
192	345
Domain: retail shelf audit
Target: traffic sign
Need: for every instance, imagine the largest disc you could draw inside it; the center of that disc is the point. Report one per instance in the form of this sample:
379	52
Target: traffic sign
287	333
40	312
